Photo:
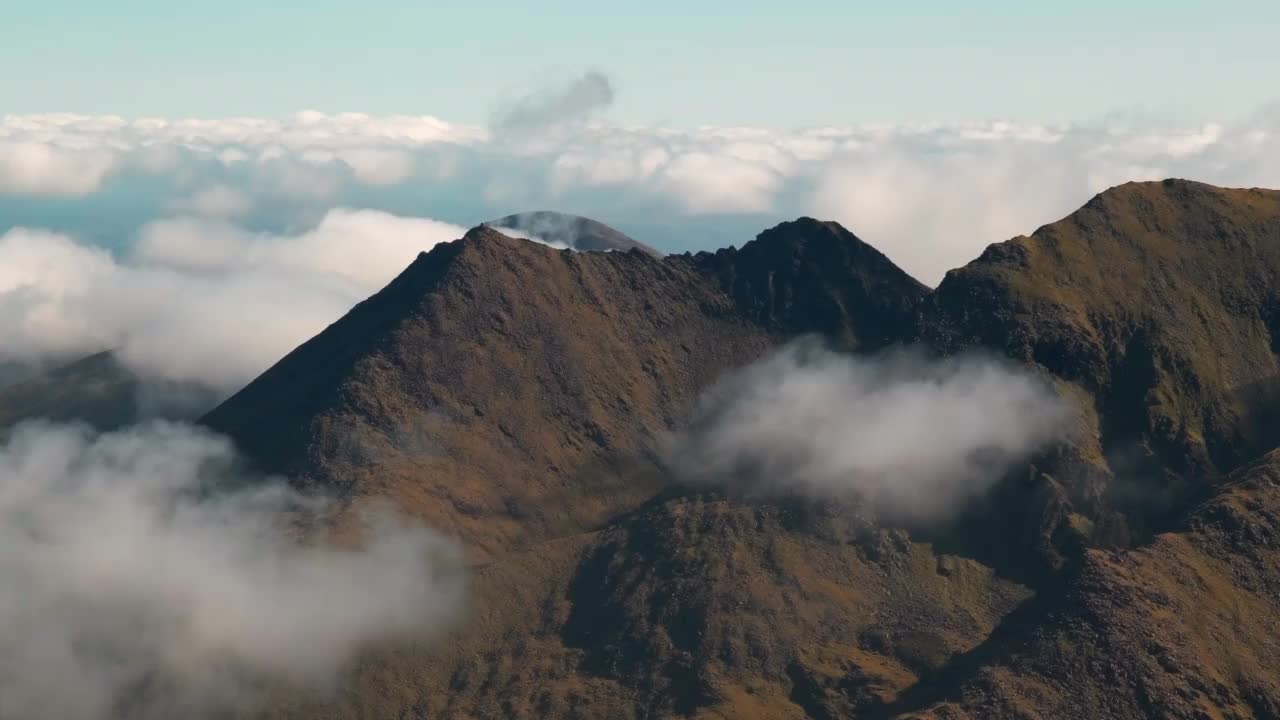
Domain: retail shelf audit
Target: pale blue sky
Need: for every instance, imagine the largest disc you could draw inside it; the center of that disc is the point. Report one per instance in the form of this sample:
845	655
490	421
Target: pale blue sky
796	63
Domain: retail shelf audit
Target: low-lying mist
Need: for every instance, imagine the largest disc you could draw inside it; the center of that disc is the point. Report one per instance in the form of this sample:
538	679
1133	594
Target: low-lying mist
143	575
916	436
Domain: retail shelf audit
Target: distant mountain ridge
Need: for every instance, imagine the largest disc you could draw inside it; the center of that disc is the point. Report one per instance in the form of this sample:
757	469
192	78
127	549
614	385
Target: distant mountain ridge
96	390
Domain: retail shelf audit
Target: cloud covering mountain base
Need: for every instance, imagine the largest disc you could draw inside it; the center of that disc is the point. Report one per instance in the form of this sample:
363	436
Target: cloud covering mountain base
145	577
930	195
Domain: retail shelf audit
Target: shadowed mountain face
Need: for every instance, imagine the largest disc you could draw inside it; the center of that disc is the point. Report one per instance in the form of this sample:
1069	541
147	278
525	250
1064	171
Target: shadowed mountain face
96	390
573	231
519	398
816	277
1181	628
101	392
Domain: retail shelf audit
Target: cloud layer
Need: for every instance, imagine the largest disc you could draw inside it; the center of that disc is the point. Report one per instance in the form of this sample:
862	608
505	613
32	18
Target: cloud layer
198	300
144	578
930	195
161	237
917	437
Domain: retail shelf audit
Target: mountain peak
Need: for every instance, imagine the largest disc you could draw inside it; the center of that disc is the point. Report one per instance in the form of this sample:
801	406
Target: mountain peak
809	225
571	231
1132	299
812	276
1149	199
478	248
830	238
487	233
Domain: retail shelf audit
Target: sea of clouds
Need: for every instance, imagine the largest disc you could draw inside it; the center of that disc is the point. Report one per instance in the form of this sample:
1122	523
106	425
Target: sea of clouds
198	301
930	195
161	226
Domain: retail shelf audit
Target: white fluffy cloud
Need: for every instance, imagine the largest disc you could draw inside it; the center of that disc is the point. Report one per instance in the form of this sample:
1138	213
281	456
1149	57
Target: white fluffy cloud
373	166
67	154
31	167
931	196
199	300
143	578
707	182
362	249
918	437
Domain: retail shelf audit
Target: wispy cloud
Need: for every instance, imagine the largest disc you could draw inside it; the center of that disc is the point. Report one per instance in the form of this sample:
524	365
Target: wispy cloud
915	437
198	300
550	107
930	195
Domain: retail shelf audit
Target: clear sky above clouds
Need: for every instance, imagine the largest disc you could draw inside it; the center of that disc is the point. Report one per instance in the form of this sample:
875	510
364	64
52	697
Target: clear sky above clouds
274	133
751	62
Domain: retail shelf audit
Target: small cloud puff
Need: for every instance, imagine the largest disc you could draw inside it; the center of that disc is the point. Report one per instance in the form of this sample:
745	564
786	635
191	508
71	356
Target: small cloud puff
551	107
917	437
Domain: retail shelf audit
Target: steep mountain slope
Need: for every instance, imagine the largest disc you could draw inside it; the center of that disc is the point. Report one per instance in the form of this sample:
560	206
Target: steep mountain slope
491	406
693	606
573	231
1157	303
515	396
507	392
1181	628
96	390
